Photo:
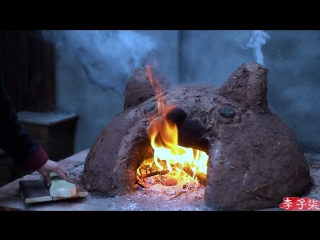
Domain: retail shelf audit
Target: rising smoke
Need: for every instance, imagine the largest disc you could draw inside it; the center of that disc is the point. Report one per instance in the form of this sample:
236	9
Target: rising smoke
104	54
256	41
209	57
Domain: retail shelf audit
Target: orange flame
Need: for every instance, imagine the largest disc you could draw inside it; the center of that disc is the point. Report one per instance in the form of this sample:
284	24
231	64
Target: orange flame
163	134
157	88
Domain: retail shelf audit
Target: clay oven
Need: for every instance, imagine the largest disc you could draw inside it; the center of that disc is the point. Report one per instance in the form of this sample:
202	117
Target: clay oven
254	160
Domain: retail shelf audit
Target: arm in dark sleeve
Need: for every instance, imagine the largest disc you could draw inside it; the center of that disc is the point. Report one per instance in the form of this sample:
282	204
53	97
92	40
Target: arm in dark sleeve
14	139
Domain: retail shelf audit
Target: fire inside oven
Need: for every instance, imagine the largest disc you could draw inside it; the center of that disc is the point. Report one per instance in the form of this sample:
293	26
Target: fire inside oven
167	162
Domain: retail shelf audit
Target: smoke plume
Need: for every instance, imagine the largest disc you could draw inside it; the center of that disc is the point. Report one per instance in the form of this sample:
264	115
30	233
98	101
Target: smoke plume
104	55
257	40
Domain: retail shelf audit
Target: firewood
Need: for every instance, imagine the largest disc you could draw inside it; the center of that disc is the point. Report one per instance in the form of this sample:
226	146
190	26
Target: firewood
141	182
162	172
201	178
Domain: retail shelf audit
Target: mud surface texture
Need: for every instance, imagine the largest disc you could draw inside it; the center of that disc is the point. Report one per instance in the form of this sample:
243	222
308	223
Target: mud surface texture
254	158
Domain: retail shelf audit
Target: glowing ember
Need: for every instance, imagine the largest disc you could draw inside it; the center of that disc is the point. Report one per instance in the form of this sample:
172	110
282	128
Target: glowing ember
168	156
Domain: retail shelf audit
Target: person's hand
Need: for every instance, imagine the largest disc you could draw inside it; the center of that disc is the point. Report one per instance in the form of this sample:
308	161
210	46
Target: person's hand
49	167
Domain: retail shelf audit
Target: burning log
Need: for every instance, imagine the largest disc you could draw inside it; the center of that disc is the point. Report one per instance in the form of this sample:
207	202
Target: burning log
199	176
249	146
146	171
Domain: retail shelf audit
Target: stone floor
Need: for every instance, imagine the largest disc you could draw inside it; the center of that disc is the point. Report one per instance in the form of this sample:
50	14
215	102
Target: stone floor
162	198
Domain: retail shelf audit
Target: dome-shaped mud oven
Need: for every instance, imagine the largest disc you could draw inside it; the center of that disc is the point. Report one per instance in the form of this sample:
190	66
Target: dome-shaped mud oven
253	158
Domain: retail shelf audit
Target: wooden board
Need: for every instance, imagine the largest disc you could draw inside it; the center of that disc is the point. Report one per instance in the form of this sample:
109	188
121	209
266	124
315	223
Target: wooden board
48	76
34	191
27	68
35	71
10	71
2	66
22	65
